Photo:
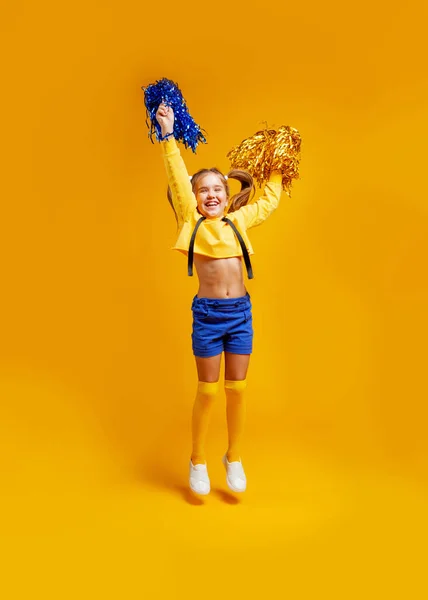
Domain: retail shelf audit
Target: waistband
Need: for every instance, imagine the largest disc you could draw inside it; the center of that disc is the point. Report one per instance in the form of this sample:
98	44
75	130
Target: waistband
222	303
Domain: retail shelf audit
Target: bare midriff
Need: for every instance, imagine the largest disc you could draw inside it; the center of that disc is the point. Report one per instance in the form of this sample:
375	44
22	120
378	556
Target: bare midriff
220	277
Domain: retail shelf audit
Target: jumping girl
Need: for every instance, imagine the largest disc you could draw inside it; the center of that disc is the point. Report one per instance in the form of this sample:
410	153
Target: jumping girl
222	319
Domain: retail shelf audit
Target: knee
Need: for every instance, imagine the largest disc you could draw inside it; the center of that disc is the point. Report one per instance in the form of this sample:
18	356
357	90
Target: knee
208	390
235	386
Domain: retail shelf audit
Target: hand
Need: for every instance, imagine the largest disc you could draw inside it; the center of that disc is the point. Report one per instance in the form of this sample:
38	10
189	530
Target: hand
165	118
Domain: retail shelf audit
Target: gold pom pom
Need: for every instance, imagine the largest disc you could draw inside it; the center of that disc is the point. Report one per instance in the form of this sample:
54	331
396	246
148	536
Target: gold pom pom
269	150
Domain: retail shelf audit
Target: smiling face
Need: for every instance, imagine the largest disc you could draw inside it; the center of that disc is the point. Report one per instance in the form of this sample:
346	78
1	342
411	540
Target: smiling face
211	196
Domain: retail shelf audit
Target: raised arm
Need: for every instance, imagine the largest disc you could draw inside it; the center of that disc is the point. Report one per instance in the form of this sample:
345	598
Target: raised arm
183	198
254	214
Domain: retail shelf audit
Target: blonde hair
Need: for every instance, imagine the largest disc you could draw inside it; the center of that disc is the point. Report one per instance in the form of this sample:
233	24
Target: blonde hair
239	199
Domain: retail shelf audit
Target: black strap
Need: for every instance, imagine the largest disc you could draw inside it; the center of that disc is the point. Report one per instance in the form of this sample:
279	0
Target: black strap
243	247
191	246
238	235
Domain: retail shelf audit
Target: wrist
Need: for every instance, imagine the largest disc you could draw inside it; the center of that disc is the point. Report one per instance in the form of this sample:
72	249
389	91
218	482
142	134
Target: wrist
275	176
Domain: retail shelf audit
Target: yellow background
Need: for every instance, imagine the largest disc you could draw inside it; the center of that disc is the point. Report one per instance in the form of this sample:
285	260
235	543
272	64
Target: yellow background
97	376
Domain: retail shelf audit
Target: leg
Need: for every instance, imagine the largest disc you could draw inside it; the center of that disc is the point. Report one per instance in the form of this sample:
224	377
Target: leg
235	384
236	366
208	376
208	368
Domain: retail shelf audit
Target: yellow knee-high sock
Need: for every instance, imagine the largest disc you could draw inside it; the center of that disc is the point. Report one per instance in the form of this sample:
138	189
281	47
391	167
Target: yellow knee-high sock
235	412
204	401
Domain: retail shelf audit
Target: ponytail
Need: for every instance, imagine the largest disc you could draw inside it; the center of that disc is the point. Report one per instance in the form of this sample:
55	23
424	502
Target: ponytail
247	189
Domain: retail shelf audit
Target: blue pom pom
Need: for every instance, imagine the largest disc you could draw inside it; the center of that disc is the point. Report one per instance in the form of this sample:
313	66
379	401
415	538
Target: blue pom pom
185	128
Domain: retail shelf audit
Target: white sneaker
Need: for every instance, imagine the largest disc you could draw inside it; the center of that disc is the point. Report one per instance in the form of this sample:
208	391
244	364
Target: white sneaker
198	479
235	476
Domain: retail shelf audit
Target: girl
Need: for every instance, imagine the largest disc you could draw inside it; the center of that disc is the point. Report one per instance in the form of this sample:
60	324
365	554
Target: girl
222	320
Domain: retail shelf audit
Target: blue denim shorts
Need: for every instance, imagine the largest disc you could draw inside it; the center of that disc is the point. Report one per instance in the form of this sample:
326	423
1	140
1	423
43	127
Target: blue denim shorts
223	324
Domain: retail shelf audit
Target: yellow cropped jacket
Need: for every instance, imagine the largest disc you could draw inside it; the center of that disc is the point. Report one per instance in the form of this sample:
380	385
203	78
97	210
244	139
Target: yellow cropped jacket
215	238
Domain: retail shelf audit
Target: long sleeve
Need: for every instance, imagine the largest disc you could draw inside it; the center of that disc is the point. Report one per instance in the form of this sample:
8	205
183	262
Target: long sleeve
183	198
254	214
